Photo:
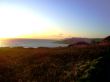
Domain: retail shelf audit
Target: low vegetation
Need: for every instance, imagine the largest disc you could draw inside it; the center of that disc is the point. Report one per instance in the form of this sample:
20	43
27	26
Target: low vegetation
63	64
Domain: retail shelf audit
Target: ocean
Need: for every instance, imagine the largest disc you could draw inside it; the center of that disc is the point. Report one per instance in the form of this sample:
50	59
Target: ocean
27	43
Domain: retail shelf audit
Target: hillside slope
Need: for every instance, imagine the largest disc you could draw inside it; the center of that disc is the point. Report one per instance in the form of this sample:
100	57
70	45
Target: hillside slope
66	64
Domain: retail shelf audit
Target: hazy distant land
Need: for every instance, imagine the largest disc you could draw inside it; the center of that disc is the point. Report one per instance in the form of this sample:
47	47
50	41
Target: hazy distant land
35	43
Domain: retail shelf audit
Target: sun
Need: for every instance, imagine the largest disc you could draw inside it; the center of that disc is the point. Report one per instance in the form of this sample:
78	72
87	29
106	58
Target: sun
15	22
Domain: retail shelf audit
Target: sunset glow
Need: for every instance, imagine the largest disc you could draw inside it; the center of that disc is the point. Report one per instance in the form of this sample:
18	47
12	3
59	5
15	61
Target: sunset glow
54	19
22	23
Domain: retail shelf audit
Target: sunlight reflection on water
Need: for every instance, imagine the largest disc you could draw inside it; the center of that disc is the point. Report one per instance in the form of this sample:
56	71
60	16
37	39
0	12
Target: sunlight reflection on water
4	43
29	43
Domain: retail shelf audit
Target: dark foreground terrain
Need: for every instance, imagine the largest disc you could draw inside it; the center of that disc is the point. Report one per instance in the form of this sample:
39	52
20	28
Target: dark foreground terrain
63	64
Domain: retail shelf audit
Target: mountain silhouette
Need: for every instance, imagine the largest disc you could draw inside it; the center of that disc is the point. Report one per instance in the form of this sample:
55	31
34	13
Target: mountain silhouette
75	40
107	39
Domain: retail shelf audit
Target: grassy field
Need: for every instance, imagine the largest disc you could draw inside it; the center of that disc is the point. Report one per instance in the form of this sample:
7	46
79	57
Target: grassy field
62	64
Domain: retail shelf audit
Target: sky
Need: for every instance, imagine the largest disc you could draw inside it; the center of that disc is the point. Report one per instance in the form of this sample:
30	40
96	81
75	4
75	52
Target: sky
54	19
